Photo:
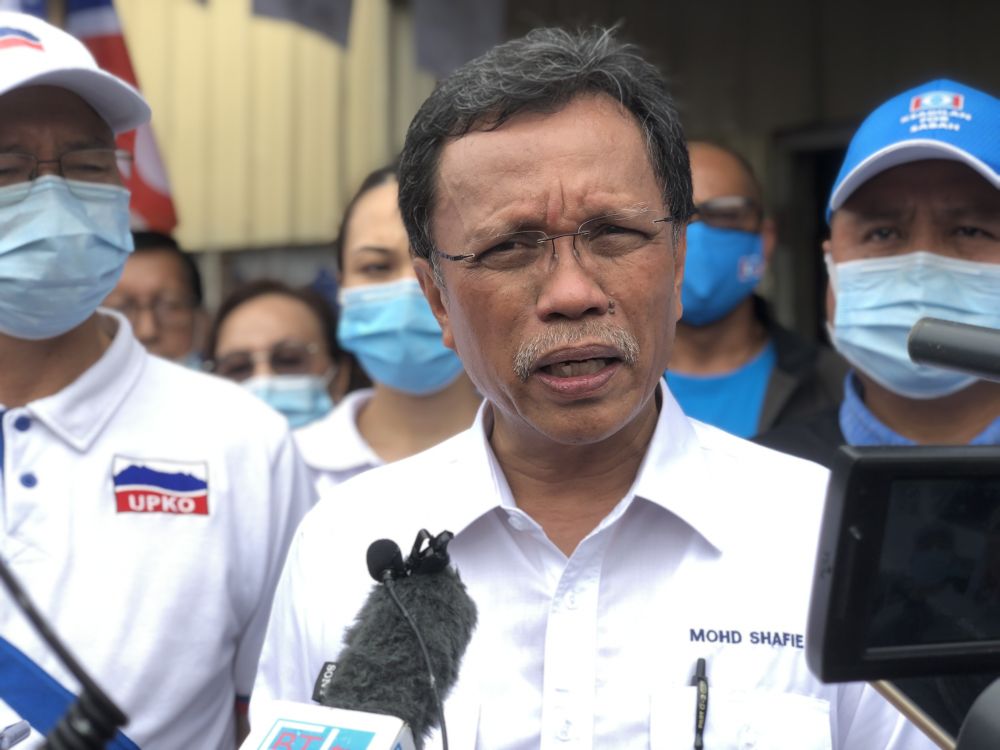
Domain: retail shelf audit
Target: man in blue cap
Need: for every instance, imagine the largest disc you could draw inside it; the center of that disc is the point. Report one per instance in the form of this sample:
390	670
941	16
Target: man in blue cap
914	232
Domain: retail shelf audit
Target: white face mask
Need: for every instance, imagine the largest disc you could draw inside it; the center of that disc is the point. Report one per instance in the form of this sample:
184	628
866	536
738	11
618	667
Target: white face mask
880	299
61	253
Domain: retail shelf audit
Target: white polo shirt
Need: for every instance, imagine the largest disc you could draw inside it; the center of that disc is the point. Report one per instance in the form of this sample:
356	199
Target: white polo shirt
333	447
709	555
147	510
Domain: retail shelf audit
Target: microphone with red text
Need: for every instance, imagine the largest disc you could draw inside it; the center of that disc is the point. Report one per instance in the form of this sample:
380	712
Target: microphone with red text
402	654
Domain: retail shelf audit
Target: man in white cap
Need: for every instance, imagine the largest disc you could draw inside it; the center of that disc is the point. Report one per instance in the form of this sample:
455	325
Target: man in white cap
146	509
914	232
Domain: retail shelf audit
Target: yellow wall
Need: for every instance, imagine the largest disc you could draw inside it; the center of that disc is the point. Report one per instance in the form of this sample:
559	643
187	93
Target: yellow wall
265	127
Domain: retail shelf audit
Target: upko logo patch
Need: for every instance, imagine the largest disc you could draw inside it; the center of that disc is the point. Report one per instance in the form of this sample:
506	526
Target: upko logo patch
292	734
936	110
152	486
937	100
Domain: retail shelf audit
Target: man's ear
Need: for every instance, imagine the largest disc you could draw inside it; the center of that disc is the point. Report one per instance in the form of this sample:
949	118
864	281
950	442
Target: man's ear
680	254
831	297
437	298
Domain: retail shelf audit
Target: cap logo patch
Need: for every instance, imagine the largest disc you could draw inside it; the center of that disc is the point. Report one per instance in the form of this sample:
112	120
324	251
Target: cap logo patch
936	110
11	37
174	487
937	100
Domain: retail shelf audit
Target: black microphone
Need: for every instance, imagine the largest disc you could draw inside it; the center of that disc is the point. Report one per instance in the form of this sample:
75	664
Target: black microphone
956	346
402	654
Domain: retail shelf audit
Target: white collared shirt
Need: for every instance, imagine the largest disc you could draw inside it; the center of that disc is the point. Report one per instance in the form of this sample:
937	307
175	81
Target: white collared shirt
147	510
709	555
333	447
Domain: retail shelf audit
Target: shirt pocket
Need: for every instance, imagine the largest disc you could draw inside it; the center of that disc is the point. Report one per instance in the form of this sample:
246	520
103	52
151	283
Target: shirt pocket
740	720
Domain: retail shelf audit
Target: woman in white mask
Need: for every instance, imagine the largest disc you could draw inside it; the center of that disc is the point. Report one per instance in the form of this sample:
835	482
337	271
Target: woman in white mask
280	344
420	394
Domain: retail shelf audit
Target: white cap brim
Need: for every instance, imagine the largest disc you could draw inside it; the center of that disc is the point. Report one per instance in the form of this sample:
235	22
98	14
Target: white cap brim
905	152
119	104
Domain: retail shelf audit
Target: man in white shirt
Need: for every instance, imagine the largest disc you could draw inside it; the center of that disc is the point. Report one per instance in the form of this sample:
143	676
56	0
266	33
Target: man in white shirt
145	508
608	541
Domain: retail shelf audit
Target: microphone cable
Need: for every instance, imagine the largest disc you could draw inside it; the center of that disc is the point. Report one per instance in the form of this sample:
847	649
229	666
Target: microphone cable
390	587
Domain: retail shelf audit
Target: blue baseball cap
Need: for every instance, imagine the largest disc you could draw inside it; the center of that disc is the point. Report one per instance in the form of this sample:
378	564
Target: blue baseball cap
939	120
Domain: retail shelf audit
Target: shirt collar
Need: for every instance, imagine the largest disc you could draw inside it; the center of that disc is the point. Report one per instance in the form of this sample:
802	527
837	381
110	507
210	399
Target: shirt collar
677	476
334	443
861	427
672	475
80	411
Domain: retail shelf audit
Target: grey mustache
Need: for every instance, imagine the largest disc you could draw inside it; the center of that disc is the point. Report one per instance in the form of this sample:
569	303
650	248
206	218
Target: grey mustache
567	335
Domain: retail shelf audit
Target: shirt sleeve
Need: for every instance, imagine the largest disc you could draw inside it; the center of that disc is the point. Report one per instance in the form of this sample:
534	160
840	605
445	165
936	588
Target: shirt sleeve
867	721
286	670
291	494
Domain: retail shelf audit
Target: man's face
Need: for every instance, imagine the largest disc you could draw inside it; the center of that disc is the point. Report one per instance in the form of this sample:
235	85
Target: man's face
938	206
46	122
720	183
153	293
552	172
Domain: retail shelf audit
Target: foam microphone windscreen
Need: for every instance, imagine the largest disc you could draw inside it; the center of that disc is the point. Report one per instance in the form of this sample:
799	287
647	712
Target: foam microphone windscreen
381	668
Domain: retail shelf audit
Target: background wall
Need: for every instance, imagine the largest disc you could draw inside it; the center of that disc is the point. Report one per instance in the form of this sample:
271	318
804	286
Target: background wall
266	128
786	82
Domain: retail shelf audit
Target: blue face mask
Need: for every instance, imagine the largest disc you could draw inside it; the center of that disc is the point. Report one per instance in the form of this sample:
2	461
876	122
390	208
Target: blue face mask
879	300
61	253
301	398
391	330
721	269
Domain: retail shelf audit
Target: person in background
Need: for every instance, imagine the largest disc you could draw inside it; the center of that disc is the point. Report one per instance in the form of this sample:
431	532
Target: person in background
160	294
146	508
280	344
914	220
420	394
733	365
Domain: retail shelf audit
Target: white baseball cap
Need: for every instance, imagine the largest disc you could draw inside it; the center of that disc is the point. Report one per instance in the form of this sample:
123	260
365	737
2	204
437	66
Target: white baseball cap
35	53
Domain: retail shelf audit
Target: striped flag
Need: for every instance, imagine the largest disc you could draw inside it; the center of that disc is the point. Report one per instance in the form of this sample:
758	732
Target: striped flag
96	24
34	7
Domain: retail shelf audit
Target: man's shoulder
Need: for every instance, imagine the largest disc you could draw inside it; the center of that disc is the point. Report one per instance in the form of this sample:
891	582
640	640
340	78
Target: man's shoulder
756	457
213	403
762	491
815	438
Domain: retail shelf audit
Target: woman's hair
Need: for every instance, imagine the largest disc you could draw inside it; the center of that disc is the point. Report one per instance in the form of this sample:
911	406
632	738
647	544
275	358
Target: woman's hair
325	313
382	175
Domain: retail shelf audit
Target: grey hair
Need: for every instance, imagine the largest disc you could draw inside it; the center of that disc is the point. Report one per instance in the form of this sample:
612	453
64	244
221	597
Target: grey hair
541	72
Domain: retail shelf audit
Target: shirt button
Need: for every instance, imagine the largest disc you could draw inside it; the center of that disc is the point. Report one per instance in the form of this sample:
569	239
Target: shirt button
571	600
565	734
29	480
22	423
517	522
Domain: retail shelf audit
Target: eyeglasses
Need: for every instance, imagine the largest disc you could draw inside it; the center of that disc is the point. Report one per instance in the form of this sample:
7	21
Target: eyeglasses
604	240
89	165
730	212
167	311
284	358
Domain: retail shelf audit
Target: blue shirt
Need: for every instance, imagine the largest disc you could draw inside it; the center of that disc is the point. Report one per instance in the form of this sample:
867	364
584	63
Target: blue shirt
861	427
731	401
